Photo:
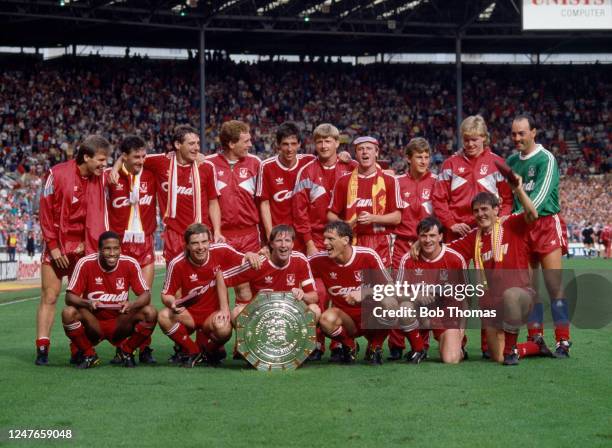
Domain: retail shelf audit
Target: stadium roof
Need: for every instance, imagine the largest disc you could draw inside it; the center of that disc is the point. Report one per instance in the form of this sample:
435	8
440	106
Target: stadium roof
321	27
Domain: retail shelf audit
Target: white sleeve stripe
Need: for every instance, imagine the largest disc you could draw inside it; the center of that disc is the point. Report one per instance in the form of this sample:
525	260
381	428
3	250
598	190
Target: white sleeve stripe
169	273
544	190
214	171
458	255
236	270
77	270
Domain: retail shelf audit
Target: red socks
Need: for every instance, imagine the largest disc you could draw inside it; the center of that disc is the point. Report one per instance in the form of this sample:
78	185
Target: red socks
76	332
341	336
416	341
142	332
178	333
510	342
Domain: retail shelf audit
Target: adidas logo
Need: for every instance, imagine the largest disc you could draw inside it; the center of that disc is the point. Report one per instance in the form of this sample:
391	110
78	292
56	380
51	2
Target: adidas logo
333	275
279	180
193	277
268	279
98	280
418	271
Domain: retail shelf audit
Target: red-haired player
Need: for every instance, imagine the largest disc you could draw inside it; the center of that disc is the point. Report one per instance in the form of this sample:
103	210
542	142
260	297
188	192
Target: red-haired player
236	172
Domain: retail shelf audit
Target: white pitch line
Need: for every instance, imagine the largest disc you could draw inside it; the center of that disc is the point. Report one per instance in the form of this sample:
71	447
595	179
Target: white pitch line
19	301
13	302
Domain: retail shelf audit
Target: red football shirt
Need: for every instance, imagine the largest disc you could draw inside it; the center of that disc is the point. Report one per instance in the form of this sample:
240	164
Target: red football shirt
159	164
108	288
197	284
311	194
295	274
119	206
447	267
342	279
416	197
275	183
513	269
338	200
236	184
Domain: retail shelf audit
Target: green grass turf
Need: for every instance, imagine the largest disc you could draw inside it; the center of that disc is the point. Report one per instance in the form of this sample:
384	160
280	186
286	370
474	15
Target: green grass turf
542	402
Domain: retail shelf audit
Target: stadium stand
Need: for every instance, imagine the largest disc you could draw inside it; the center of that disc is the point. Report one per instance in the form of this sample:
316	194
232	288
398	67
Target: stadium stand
43	114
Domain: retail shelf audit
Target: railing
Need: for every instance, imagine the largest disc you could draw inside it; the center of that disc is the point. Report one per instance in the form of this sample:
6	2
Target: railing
8	270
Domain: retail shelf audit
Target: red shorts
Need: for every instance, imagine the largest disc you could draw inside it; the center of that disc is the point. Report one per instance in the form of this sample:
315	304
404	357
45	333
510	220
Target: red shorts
245	240
108	327
199	315
401	246
380	244
548	233
374	337
142	252
69	248
174	244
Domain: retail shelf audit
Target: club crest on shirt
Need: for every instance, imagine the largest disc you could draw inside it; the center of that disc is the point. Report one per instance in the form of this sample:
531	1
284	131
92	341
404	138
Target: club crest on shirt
120	283
143	187
243	173
483	169
357	275
425	193
531	171
443	275
290	279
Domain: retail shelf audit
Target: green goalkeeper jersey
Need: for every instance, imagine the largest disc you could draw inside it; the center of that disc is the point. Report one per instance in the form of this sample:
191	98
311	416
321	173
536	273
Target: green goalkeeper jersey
540	175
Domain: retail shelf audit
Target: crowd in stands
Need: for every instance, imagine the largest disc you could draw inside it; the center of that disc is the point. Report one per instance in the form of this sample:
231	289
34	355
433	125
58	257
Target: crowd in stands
47	107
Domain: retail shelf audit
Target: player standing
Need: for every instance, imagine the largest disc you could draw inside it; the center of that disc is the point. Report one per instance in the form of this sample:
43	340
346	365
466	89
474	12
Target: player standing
462	176
98	307
276	180
72	217
132	208
187	191
415	188
236	172
547	242
311	196
368	199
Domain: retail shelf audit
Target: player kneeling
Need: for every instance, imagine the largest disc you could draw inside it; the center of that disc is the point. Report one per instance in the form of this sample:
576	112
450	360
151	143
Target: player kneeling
340	267
436	264
196	298
98	307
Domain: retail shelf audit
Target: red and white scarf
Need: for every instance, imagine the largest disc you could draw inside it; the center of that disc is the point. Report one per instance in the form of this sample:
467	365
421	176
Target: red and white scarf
173	188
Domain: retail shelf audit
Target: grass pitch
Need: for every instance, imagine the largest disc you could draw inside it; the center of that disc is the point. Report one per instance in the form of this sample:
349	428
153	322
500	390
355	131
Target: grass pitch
542	402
